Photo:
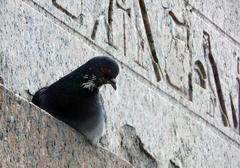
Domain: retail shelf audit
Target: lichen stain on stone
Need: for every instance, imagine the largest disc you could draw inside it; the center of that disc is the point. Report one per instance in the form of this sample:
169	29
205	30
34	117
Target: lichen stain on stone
132	149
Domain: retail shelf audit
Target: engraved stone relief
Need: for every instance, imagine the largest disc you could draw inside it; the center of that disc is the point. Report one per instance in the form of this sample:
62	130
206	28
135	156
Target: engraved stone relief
173	38
212	64
200	77
72	8
215	77
224	101
128	30
155	43
177	56
155	62
124	26
238	103
99	26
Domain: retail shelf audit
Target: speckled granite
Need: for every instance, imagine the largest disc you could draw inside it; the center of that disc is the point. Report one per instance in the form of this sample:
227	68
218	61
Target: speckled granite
29	137
178	97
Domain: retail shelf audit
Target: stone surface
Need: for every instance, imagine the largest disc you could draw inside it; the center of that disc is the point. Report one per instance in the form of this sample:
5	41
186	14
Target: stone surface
133	149
30	137
179	86
224	14
71	8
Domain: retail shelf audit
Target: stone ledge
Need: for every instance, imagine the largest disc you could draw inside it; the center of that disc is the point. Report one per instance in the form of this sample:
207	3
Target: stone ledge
30	137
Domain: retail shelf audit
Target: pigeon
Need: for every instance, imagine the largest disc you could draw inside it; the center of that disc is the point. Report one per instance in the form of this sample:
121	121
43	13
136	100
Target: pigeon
75	98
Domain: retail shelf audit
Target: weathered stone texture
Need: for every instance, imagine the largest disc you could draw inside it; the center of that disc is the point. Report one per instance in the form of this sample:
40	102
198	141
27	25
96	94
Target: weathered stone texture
224	14
178	97
29	137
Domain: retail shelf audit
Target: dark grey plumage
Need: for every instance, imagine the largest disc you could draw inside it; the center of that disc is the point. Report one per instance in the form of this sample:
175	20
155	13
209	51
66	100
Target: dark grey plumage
75	98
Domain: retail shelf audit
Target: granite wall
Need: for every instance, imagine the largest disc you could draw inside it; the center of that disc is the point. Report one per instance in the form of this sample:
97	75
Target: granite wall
178	97
30	137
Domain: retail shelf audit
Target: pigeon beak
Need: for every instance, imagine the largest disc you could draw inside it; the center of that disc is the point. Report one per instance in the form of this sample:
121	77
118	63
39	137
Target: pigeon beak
113	83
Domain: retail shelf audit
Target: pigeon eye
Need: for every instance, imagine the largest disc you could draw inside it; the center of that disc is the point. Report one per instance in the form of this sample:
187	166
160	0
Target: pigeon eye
106	76
105	73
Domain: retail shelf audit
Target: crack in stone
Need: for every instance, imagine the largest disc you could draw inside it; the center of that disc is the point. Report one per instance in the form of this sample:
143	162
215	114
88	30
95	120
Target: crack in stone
133	149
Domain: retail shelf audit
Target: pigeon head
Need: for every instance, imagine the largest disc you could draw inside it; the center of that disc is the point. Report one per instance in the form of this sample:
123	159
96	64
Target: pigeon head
101	70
